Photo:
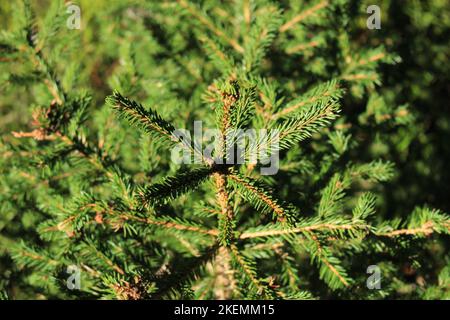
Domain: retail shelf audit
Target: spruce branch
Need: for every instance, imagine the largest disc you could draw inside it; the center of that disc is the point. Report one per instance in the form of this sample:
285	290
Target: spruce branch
313	10
57	122
175	224
301	47
148	120
66	109
80	196
373	56
422	223
425	229
249	276
274	231
151	122
330	267
89	248
52	82
26	255
374	171
174	186
87	210
321	94
307	122
185	270
242	111
225	114
364	77
289	274
365	207
261	35
205	21
218	55
259	196
332	196
127	290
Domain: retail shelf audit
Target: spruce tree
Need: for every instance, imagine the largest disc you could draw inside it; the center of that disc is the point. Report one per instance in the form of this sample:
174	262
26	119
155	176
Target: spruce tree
89	182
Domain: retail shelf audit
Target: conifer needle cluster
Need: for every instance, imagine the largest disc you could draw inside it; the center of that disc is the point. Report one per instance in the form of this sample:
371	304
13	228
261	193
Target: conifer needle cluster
89	182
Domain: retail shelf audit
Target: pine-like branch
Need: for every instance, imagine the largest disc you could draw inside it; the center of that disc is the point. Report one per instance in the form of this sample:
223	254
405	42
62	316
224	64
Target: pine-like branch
249	275
303	15
172	187
422	223
205	21
321	94
330	267
307	122
259	196
148	120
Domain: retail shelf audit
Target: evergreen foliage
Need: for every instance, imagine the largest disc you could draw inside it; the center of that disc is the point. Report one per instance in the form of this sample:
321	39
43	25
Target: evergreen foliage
89	119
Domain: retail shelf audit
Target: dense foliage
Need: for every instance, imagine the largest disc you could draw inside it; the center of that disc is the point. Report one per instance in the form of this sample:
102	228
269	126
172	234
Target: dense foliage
88	123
